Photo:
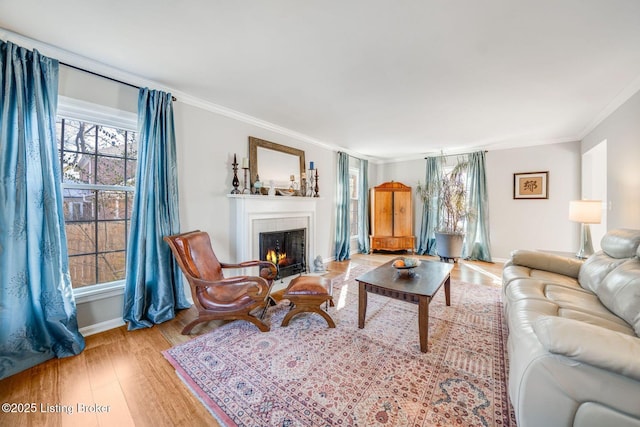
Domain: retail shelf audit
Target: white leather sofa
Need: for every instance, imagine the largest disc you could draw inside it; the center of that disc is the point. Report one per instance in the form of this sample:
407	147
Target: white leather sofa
574	327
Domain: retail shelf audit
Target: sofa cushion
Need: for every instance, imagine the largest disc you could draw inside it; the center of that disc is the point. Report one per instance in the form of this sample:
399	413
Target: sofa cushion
513	272
596	268
547	262
621	243
620	292
617	246
572	303
590	344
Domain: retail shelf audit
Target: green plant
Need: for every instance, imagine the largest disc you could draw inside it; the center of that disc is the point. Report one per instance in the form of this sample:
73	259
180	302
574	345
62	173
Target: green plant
450	192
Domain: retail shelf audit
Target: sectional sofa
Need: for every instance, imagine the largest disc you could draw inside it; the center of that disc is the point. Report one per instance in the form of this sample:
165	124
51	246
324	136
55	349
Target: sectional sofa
574	350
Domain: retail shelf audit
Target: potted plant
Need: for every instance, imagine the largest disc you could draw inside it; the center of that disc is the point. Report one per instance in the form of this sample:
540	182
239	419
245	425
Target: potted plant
451	194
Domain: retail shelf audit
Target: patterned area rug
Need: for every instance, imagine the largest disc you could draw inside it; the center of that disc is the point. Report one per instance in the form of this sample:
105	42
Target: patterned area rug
309	375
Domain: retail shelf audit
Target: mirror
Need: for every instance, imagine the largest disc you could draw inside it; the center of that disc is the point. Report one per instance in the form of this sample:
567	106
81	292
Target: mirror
274	162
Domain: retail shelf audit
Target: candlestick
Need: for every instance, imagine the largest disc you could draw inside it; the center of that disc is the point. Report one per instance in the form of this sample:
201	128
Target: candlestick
235	182
316	189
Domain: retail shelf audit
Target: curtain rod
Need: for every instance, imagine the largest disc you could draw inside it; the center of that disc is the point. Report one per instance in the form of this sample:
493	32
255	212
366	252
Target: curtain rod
457	154
173	98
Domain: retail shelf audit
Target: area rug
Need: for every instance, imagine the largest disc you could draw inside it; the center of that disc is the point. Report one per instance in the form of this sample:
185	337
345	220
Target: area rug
309	375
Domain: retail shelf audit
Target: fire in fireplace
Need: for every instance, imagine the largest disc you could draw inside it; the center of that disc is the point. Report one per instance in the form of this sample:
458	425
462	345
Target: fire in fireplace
286	249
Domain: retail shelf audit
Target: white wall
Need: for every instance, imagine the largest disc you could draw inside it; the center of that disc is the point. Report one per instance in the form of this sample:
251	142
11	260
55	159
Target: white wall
621	130
206	145
536	223
516	224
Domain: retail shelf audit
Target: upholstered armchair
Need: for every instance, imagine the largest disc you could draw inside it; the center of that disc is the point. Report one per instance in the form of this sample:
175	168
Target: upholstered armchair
215	296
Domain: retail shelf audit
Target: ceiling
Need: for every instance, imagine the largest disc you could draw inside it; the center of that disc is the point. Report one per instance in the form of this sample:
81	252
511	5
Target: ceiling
384	79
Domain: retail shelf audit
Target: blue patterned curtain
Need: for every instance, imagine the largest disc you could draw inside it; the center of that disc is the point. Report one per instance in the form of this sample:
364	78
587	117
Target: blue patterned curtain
343	234
477	243
363	208
430	211
37	309
154	287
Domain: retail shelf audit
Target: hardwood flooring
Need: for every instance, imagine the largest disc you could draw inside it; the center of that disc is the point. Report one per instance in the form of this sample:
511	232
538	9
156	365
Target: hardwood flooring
121	378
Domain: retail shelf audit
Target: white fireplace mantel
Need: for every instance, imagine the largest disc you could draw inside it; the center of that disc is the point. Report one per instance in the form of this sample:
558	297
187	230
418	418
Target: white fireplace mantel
253	214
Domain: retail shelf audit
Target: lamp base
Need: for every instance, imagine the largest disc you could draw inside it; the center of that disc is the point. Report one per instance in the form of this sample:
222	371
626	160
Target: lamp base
586	246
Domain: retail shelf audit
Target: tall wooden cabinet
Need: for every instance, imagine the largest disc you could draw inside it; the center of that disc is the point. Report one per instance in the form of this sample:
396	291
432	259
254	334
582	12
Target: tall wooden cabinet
391	217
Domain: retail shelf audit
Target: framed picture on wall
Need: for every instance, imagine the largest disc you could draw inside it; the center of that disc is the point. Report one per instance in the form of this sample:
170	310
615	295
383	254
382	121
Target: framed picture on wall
531	185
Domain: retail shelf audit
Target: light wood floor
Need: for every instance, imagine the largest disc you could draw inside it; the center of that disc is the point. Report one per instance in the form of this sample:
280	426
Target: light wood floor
126	372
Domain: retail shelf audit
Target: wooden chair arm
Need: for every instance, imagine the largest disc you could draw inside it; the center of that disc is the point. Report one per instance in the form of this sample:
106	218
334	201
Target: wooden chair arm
268	270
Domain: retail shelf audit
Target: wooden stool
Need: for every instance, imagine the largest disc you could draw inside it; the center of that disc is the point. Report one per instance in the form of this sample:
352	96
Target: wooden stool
307	293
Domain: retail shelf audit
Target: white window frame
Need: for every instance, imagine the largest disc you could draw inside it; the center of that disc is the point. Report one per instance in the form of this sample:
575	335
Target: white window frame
102	115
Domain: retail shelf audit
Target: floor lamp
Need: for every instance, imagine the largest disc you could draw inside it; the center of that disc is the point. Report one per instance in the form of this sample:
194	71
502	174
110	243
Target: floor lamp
585	212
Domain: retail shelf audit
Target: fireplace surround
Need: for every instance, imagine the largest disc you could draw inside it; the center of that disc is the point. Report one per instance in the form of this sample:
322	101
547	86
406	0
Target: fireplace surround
252	215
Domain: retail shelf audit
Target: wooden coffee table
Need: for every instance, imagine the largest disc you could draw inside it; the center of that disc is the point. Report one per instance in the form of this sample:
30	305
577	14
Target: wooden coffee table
417	288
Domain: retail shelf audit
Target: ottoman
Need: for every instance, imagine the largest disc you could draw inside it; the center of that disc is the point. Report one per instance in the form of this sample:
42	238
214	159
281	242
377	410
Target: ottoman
307	293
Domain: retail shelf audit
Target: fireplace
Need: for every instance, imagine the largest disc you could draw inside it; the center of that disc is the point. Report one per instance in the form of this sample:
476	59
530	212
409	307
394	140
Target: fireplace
286	249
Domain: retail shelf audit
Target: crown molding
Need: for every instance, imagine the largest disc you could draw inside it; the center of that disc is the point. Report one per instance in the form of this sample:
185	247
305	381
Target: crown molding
625	94
83	62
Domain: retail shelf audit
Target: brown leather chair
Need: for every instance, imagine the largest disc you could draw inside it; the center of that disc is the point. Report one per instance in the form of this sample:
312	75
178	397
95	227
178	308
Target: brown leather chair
215	296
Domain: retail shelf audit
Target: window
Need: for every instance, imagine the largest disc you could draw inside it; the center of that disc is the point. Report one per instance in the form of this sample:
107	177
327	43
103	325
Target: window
98	164
354	200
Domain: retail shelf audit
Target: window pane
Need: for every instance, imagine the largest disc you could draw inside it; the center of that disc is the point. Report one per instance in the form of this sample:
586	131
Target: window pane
78	167
78	205
83	270
79	136
112	204
81	237
110	171
132	145
353	186
131	172
97	221
111	236
111	141
111	267
130	197
354	217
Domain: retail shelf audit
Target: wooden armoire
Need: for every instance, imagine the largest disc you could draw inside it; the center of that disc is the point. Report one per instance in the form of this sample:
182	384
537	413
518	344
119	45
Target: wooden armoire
391	217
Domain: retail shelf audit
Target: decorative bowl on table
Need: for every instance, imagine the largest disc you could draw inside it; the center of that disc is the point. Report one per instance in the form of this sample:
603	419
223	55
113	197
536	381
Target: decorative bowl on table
405	264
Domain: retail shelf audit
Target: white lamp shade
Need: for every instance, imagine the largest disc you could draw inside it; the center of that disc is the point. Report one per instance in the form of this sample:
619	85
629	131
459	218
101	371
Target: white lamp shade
586	211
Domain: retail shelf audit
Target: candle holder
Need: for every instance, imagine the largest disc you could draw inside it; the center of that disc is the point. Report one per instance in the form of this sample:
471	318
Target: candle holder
309	192
245	189
316	189
303	186
235	182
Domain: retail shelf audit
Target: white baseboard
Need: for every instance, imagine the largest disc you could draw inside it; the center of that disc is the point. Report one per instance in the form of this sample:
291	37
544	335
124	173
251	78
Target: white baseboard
102	326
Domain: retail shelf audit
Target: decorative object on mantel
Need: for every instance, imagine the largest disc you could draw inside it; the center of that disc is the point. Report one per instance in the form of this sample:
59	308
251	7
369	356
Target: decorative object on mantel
303	184
245	167
275	162
257	186
316	189
235	182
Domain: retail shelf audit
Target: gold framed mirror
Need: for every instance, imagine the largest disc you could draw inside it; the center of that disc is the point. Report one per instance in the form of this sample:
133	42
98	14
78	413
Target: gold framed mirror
274	162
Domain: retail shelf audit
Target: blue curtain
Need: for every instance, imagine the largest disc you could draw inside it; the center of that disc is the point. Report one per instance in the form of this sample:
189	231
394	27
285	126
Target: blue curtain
363	208
477	243
154	287
343	233
430	211
37	309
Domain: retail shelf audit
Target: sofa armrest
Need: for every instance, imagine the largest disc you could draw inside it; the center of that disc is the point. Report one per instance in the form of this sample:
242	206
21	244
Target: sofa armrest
547	262
596	346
